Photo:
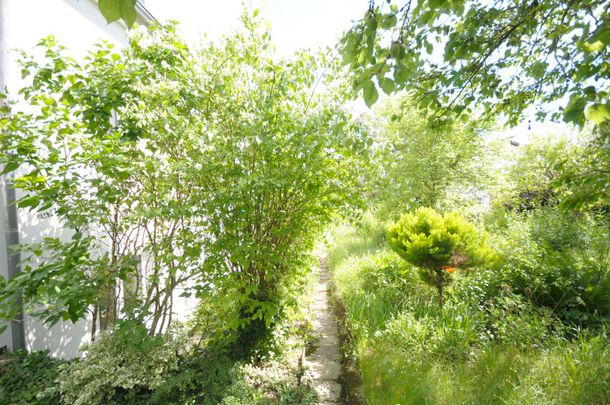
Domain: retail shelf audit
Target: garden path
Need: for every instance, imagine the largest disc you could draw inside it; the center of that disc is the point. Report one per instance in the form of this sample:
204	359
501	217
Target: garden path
323	366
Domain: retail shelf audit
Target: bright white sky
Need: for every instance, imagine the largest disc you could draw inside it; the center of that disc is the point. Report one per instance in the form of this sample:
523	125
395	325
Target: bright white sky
295	24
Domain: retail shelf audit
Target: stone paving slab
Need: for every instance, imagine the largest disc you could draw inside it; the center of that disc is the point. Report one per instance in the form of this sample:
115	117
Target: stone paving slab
323	367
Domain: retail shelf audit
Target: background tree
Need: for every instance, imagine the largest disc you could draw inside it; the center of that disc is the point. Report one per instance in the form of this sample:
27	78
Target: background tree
421	164
584	178
533	169
501	56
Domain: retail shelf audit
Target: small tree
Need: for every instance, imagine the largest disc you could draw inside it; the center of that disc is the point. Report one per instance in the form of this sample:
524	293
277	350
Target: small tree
438	244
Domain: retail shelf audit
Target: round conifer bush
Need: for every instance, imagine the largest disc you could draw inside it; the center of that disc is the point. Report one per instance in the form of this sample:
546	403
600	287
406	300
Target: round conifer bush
438	245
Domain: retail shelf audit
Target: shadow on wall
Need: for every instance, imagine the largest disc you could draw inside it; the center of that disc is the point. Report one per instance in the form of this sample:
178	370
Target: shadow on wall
62	340
6	339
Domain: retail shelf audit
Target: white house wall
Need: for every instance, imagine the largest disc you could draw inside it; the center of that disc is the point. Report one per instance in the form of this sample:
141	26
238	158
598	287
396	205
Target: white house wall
78	25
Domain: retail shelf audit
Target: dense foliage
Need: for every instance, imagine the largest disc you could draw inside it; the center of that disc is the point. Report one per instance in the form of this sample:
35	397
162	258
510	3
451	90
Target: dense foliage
210	174
501	57
29	378
529	326
584	179
494	340
212	170
419	164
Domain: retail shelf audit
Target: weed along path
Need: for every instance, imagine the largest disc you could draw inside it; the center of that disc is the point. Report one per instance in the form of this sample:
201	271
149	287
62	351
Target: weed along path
323	366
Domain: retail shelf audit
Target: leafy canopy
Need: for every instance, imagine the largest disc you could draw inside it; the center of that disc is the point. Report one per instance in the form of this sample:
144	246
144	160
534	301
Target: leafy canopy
498	57
212	170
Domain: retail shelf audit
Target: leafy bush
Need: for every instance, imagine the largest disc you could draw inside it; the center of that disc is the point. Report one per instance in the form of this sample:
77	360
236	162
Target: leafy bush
554	259
437	244
203	377
120	367
222	191
29	378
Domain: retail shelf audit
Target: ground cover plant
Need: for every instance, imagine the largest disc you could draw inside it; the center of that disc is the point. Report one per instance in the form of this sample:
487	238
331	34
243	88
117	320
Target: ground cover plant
29	378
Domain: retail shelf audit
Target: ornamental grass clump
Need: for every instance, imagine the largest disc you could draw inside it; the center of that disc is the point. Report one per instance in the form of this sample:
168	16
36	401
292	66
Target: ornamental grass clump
438	245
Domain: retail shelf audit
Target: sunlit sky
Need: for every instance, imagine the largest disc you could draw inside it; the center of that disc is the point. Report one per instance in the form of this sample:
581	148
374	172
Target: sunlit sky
295	24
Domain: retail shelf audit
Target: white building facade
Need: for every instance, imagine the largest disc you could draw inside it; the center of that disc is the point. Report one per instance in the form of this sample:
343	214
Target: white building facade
78	25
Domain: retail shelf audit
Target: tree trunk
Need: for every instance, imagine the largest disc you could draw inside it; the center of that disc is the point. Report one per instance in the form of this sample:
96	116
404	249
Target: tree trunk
440	296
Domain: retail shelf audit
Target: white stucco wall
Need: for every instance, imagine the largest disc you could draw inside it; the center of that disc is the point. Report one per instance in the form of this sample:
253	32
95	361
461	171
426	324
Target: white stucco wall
78	25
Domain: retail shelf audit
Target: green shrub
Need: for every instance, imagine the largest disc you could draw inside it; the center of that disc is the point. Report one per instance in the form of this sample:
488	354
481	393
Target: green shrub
120	367
200	378
29	378
211	377
437	244
556	260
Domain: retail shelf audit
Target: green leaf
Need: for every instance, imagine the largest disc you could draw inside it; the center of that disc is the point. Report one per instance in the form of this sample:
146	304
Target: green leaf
29	202
593	47
401	74
389	21
397	50
111	9
370	93
575	110
128	12
10	166
599	113
387	85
